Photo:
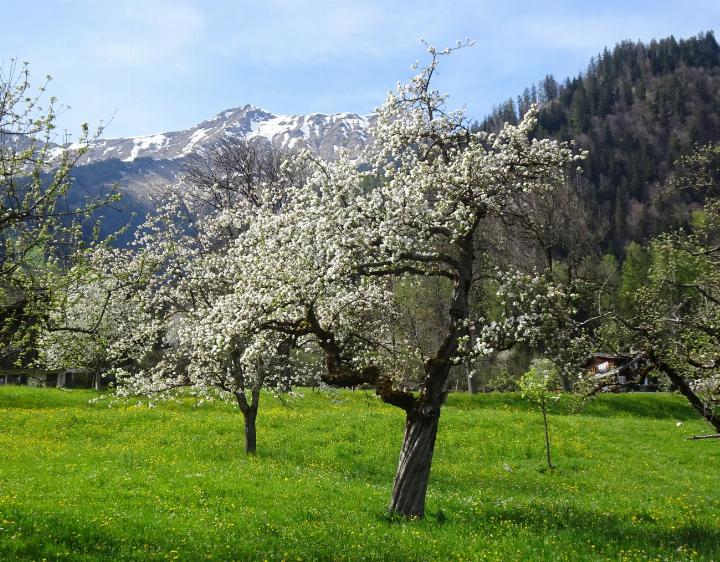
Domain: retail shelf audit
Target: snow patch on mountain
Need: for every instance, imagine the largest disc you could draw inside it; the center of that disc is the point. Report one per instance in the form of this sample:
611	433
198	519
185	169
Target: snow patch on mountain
141	144
325	134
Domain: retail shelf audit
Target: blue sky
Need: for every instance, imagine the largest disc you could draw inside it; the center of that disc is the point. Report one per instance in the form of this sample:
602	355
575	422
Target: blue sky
161	65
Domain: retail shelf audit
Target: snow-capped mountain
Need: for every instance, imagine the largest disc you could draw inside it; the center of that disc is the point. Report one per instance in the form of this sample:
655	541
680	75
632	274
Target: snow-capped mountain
140	167
325	134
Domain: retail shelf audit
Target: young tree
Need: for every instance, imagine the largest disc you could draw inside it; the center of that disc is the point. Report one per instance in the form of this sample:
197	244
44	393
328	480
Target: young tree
219	198
537	387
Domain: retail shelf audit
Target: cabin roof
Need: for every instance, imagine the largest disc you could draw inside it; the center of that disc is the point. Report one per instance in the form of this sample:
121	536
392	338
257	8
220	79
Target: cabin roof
600	356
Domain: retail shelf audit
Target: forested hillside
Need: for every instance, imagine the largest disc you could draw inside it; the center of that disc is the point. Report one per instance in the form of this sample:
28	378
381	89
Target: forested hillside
636	109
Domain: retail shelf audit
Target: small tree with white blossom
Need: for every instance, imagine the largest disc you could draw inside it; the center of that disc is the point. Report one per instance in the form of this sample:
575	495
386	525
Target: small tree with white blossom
537	386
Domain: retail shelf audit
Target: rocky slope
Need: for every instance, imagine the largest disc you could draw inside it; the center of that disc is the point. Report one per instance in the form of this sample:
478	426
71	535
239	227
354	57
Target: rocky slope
139	167
325	134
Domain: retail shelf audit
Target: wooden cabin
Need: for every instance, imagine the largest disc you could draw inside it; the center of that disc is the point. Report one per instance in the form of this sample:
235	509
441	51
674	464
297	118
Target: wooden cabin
621	372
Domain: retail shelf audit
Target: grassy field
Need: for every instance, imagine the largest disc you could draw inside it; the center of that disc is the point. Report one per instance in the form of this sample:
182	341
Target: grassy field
105	481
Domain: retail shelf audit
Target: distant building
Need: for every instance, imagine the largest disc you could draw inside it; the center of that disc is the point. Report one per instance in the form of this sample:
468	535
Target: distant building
62	378
621	372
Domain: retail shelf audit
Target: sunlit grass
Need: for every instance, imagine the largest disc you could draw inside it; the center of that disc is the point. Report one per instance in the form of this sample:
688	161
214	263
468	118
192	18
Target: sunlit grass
87	481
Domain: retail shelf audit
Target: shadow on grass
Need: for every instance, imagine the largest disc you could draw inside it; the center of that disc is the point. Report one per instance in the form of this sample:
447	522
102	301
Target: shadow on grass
38	536
36	398
610	534
489	400
655	405
641	405
607	530
53	538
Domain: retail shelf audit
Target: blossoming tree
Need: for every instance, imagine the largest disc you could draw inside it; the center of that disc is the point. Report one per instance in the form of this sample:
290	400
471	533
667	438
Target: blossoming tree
220	197
91	317
40	215
324	268
674	329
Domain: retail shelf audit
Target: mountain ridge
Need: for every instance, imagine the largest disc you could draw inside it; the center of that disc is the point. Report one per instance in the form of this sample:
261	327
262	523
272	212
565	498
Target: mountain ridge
324	133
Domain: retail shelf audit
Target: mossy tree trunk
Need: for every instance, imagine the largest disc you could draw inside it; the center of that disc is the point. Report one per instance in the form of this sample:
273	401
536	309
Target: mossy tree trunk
413	472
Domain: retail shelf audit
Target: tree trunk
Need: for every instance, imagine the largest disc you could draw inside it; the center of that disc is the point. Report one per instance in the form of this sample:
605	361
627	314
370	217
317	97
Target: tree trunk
423	410
682	385
421	426
547	440
250	433
472	385
249	412
565	381
97	381
413	473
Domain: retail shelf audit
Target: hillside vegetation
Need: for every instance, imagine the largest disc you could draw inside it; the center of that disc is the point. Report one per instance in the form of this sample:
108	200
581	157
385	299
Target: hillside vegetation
112	481
637	108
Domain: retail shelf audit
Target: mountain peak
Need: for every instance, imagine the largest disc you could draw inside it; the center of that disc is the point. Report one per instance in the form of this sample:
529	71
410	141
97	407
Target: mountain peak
323	133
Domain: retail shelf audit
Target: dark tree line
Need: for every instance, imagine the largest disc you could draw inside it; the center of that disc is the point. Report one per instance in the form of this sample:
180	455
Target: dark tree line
636	109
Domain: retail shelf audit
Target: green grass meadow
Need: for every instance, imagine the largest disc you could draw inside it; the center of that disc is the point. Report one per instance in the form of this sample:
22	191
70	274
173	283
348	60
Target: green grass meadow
111	481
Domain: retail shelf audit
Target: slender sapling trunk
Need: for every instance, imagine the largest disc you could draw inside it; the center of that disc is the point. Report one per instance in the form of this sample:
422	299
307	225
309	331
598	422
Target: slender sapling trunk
547	439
